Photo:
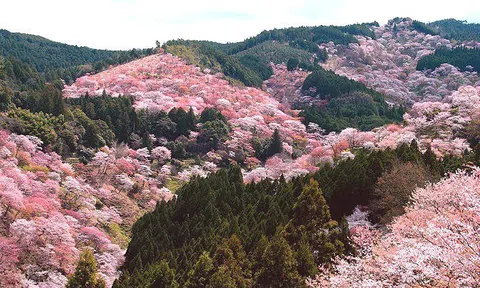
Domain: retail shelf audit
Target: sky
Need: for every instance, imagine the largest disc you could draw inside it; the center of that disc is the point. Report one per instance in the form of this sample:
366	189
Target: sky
127	24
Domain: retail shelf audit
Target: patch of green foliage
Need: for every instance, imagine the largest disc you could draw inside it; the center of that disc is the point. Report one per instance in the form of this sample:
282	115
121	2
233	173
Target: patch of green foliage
58	60
457	29
205	56
459	57
350	103
220	230
276	52
423	28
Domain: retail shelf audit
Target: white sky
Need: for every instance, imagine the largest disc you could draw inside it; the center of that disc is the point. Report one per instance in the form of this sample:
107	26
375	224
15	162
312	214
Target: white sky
126	24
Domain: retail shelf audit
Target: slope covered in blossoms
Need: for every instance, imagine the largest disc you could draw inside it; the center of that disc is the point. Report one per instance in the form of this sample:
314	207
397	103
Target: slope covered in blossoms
388	64
434	244
163	81
50	211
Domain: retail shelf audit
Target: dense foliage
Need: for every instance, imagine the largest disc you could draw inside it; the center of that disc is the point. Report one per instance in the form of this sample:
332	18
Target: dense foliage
204	55
315	34
61	60
45	54
466	59
326	84
355	181
351	103
277	46
271	226
117	112
359	110
457	29
276	52
423	28
257	233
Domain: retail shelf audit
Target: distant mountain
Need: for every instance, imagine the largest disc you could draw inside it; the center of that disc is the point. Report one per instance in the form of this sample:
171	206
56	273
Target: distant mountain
277	45
45	54
457	29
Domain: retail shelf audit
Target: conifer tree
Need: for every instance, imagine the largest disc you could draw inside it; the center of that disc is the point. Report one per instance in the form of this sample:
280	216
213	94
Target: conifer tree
200	274
232	265
85	275
278	266
275	144
165	276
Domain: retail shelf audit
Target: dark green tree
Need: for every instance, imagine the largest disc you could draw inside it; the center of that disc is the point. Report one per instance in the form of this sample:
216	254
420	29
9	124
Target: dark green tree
5	97
232	265
275	144
85	275
165	276
201	273
147	141
278	265
292	64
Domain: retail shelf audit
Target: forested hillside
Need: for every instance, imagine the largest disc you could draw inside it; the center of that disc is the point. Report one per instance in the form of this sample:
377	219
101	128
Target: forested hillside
277	46
58	59
457	29
300	157
219	232
466	59
350	103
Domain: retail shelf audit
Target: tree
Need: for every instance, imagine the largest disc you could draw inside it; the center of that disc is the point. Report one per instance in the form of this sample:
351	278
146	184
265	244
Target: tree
161	154
306	263
165	276
200	274
147	141
5	97
394	189
275	144
85	275
213	133
311	223
278	265
231	264
292	64
191	119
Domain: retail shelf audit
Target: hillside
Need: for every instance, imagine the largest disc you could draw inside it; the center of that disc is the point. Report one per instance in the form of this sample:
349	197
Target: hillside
456	29
44	54
162	81
388	64
289	159
58	59
278	46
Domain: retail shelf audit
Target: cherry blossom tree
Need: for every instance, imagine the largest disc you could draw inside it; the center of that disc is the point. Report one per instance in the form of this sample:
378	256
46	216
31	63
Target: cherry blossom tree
161	154
436	243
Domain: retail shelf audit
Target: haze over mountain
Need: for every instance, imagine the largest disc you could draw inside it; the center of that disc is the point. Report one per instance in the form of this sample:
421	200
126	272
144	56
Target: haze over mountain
312	156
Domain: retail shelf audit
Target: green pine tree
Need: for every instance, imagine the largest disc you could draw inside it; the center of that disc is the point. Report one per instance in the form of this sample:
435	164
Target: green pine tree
85	275
278	266
200	274
275	144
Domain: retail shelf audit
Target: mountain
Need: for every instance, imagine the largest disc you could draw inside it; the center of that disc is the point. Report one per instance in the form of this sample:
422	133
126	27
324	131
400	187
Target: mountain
278	45
58	59
45	54
457	29
203	164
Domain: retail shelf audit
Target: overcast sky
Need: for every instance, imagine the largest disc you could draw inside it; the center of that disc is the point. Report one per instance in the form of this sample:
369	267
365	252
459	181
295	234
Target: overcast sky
126	24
